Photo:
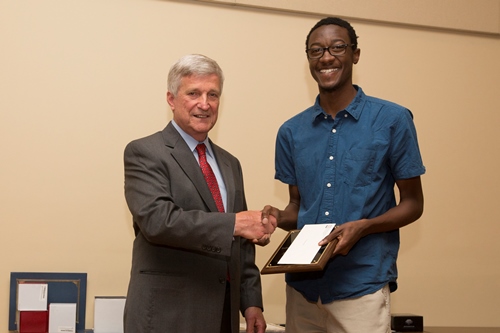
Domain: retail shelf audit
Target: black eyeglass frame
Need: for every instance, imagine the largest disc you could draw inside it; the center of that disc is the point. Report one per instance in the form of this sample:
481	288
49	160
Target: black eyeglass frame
329	48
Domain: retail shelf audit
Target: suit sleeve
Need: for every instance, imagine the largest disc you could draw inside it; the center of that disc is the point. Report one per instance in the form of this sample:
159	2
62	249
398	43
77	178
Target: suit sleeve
250	288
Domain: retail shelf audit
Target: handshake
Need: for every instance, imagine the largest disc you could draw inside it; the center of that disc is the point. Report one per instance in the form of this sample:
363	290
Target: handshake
256	225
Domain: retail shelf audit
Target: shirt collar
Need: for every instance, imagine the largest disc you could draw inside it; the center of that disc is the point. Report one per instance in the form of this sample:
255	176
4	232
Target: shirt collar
191	142
354	108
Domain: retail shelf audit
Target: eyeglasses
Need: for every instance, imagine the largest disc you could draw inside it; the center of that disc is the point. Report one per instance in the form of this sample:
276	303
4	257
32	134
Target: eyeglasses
335	50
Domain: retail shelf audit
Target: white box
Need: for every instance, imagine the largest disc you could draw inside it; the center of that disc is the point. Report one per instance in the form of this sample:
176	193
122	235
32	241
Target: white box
62	317
32	296
108	314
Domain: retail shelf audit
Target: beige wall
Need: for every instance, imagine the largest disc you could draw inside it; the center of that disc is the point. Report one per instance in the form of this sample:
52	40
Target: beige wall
80	79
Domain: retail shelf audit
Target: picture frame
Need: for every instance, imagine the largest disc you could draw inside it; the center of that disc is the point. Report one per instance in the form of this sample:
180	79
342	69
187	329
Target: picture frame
62	288
317	264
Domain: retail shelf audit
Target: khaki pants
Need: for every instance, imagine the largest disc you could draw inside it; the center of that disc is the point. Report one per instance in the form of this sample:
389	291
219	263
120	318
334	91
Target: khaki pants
367	314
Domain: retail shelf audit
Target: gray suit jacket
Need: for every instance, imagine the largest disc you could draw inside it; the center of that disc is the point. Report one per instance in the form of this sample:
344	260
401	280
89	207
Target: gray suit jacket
183	246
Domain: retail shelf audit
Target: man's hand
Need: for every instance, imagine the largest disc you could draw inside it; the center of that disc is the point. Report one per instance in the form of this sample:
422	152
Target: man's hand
271	213
252	225
270	222
285	219
348	234
255	320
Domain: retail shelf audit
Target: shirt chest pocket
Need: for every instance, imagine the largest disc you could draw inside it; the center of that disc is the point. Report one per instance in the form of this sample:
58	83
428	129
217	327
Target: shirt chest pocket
357	167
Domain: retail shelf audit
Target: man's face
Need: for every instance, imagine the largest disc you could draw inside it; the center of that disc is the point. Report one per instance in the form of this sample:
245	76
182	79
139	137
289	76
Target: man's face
332	72
196	105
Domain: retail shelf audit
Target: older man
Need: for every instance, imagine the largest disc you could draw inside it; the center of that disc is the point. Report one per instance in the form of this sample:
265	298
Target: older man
193	264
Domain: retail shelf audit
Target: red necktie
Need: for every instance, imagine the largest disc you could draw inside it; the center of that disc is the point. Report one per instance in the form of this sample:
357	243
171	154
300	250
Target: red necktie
209	176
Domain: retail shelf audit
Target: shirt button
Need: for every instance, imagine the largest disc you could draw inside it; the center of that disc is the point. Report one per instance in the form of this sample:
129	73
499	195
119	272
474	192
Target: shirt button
334	130
330	158
327	213
345	115
328	185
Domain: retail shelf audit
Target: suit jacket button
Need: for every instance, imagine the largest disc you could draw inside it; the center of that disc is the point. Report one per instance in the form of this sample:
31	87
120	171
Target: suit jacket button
222	280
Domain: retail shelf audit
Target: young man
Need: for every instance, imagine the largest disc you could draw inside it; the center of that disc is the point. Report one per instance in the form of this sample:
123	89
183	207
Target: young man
341	159
193	261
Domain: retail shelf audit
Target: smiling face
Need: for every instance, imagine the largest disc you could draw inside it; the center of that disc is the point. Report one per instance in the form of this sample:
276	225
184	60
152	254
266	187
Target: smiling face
196	104
332	73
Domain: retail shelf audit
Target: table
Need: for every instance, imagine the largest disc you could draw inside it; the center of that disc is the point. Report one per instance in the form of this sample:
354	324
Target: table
432	329
429	329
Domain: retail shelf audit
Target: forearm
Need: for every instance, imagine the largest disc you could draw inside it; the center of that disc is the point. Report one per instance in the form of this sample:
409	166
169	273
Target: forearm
288	217
409	209
397	217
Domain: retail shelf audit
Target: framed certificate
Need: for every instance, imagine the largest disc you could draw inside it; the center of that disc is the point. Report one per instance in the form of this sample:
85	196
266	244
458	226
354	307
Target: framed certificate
318	263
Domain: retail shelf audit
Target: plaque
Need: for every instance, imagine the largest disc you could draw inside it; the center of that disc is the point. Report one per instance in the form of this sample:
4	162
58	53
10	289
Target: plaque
318	263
